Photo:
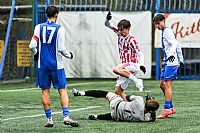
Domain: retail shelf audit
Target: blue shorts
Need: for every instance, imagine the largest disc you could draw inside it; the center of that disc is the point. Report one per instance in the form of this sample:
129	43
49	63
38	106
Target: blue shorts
56	77
169	72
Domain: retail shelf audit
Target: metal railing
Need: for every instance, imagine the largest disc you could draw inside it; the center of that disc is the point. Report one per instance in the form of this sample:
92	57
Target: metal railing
192	64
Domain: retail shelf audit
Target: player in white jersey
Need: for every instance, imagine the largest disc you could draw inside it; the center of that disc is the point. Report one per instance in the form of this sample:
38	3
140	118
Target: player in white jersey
173	59
131	57
48	43
133	109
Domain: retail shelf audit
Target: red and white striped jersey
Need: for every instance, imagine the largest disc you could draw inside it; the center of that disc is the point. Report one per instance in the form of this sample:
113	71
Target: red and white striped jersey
129	50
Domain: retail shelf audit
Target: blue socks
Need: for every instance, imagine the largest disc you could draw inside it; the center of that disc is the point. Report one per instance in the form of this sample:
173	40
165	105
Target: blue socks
49	116
48	113
65	111
168	105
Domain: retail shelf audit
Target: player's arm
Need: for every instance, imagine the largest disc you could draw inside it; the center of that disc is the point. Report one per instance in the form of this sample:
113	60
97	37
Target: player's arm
180	55
130	98
152	116
61	44
35	39
169	36
136	47
109	24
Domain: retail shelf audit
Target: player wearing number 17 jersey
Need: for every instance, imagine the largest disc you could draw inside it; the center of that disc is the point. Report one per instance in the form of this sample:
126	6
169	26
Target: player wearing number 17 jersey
132	59
49	38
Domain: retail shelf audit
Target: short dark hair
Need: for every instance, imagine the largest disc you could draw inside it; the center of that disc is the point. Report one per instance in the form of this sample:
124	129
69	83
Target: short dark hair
152	105
51	11
158	18
124	24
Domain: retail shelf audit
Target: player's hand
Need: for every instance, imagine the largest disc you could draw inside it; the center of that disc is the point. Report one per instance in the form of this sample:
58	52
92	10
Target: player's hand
181	65
152	116
143	69
71	55
109	16
36	56
171	58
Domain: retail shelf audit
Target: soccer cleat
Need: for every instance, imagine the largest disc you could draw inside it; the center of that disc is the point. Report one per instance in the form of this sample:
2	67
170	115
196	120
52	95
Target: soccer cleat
139	85
49	123
165	113
92	117
75	92
71	122
173	110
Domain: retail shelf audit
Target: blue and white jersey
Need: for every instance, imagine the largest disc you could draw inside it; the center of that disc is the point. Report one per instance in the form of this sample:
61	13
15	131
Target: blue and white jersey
171	47
51	38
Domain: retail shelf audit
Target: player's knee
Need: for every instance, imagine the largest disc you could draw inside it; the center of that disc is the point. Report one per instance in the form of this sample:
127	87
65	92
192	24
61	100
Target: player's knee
162	87
118	92
116	70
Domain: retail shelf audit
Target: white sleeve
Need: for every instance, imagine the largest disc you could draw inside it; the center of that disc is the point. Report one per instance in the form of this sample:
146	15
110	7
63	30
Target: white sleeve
179	52
172	42
141	58
111	26
35	39
61	43
133	97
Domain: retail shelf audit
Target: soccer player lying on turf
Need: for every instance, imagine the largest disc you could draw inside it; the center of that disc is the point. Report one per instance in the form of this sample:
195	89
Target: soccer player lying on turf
133	110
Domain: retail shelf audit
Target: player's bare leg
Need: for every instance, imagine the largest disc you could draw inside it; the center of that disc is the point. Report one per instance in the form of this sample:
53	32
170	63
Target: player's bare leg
65	103
119	91
168	100
64	100
46	98
168	90
120	70
46	105
162	86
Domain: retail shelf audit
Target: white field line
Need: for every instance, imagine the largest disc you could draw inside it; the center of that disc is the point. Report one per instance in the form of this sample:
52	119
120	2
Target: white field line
33	116
69	85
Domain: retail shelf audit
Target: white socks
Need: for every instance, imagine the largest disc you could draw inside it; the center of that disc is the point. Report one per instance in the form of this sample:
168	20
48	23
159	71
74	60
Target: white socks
133	78
82	93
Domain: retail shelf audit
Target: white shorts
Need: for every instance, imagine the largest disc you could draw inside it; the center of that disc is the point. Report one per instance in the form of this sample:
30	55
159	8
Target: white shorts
132	68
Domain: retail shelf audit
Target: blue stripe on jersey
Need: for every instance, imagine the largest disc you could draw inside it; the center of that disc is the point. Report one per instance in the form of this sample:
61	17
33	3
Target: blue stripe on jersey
163	49
48	37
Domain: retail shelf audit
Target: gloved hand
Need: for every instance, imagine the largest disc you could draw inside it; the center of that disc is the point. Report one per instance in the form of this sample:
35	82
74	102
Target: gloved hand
36	56
181	65
71	55
109	16
143	69
152	116
171	58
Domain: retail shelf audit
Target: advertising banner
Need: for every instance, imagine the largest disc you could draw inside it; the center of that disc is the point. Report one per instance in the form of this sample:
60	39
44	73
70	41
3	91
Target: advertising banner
186	28
95	47
23	53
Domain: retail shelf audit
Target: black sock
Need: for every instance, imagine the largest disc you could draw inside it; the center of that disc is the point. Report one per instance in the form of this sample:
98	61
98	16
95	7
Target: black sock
96	93
104	116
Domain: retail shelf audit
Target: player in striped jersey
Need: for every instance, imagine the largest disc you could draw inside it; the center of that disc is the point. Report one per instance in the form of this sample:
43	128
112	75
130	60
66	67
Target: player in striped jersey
132	59
48	42
173	59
